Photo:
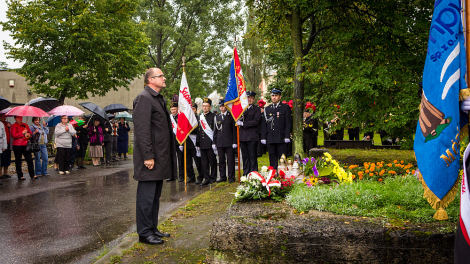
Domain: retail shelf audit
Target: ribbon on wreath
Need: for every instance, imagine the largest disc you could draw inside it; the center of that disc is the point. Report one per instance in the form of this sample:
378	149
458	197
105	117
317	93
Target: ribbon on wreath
267	182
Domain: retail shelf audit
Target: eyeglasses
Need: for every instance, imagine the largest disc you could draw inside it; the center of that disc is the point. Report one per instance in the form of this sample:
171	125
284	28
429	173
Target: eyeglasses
158	76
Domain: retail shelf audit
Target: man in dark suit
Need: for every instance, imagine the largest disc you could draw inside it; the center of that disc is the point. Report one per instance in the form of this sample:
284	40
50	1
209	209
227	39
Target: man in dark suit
179	148
206	143
193	151
225	140
310	131
154	158
275	128
249	134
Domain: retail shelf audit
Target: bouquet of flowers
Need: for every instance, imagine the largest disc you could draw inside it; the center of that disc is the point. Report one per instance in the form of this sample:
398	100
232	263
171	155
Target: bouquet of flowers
261	185
324	170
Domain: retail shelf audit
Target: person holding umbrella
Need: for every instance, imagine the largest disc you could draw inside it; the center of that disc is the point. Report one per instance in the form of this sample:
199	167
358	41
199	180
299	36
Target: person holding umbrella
95	133
21	133
6	154
82	135
41	133
123	138
63	139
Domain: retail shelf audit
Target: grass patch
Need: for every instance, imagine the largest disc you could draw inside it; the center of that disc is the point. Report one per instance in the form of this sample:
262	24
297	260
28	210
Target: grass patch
359	156
395	198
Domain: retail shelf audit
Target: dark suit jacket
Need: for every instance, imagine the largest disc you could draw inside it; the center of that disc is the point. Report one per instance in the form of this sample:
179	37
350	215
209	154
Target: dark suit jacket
204	140
310	127
251	124
276	123
227	135
152	137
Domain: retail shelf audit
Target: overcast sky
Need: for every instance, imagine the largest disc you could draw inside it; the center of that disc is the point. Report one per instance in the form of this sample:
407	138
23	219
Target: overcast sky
4	35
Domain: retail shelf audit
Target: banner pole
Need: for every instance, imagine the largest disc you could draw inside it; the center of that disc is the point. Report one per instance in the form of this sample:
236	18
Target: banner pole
238	151
185	170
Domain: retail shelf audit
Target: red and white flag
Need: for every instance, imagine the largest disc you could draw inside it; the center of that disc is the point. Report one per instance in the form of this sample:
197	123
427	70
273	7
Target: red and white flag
186	118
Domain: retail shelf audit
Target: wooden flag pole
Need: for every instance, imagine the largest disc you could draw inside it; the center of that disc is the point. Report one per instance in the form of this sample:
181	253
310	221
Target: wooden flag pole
184	153
238	151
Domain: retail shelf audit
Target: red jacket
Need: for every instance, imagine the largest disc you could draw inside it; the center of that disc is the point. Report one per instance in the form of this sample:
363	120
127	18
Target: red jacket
16	131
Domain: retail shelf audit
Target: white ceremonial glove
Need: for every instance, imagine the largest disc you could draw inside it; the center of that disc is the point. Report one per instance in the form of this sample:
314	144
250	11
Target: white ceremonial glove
234	145
198	152
286	140
263	141
239	123
214	147
181	148
465	105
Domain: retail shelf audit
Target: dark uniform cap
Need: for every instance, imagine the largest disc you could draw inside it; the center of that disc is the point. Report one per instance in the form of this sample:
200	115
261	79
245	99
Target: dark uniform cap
173	104
207	100
194	105
276	91
251	93
221	101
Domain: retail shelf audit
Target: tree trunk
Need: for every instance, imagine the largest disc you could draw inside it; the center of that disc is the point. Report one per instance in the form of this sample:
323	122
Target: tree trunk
297	127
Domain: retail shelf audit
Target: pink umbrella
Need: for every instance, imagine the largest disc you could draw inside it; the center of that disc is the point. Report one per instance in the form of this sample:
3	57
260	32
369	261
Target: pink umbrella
67	110
26	110
4	111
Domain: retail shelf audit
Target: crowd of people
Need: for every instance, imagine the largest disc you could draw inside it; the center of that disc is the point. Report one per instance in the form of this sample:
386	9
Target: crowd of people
108	141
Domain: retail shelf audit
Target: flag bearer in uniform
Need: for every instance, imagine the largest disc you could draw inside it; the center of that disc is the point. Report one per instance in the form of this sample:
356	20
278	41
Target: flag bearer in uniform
179	154
225	139
275	128
206	143
195	152
249	134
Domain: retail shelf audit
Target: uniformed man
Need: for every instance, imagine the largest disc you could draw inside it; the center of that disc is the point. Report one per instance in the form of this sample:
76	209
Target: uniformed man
179	154
249	134
275	128
192	150
225	140
310	131
206	143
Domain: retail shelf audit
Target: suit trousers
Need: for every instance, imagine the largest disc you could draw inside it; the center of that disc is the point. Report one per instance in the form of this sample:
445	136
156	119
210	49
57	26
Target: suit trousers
191	154
249	155
209	165
113	146
147	206
309	143
226	156
107	152
275	152
189	165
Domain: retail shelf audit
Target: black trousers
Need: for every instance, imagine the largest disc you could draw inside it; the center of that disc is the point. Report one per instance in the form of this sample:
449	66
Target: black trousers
107	151
189	165
63	158
209	165
354	136
21	151
249	155
147	206
310	143
192	155
275	152
226	157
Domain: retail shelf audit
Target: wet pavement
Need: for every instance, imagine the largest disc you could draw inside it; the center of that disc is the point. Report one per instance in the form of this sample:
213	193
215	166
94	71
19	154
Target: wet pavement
65	218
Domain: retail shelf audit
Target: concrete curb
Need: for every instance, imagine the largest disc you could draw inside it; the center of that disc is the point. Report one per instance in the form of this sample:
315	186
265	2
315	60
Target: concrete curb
129	241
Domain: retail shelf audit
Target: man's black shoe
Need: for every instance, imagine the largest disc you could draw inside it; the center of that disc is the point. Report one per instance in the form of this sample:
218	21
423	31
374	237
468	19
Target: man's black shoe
82	167
205	183
231	181
152	240
198	182
221	180
181	180
170	179
160	234
190	181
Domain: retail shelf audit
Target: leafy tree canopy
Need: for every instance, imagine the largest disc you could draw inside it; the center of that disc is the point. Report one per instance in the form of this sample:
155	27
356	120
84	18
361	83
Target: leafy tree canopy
198	30
76	48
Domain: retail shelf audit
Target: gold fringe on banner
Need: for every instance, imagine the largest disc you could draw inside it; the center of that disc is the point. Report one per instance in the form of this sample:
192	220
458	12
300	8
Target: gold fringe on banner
463	94
437	203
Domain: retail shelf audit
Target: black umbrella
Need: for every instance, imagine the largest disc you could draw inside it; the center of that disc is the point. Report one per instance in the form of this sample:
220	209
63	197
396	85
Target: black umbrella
113	108
4	103
44	103
95	109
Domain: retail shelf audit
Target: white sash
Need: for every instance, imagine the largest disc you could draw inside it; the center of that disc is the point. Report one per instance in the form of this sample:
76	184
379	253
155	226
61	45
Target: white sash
193	139
173	124
207	129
